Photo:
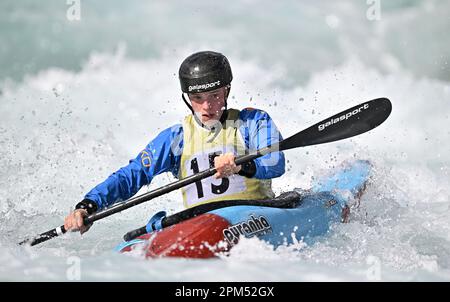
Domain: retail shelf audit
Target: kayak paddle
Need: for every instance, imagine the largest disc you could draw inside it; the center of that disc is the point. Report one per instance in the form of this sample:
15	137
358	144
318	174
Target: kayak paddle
351	122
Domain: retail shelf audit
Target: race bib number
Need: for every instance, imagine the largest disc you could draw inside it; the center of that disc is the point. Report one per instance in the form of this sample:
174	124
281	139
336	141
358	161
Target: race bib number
210	188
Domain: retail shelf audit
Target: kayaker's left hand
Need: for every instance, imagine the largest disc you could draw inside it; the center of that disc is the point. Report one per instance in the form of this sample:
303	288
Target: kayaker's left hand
225	165
74	221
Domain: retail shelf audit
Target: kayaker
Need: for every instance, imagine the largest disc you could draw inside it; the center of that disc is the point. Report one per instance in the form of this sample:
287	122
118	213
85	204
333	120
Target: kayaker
213	135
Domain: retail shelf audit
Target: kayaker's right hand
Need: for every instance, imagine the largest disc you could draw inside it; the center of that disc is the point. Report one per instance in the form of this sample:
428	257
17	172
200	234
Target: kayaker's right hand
74	221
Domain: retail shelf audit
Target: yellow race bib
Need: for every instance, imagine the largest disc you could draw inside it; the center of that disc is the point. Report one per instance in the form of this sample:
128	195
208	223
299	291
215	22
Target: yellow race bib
200	148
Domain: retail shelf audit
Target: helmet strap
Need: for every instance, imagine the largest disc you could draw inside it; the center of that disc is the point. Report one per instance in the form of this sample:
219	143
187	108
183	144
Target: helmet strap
187	103
228	88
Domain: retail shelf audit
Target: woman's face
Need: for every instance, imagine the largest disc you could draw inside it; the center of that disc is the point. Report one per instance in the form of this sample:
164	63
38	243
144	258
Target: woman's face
208	106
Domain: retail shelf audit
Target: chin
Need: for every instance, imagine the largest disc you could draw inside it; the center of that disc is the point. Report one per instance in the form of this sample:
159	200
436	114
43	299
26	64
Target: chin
210	122
207	122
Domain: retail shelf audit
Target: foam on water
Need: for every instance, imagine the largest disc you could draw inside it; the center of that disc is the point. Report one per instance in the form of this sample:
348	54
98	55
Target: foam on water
300	36
62	132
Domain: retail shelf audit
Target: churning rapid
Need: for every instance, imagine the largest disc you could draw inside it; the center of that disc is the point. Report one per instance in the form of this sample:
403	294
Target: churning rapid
78	99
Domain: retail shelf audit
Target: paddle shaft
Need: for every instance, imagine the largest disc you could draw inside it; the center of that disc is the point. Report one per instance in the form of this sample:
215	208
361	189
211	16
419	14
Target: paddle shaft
146	197
166	189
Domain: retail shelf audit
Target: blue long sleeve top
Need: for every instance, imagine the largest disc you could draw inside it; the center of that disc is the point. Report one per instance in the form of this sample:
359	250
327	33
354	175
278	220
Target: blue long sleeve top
163	154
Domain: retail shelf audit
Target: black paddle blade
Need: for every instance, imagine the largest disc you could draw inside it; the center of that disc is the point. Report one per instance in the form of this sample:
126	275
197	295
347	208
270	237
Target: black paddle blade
348	123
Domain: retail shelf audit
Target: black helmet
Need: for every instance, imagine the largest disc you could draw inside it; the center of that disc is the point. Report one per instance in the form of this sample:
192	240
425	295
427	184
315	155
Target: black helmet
204	71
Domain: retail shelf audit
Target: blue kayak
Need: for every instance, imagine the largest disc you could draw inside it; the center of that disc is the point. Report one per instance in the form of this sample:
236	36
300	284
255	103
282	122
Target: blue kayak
299	215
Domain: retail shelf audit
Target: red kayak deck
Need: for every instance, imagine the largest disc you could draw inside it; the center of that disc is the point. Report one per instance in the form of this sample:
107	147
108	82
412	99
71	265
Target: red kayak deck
199	237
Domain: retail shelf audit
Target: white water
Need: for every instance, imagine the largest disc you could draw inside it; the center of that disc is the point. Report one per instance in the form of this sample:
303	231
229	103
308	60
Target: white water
62	131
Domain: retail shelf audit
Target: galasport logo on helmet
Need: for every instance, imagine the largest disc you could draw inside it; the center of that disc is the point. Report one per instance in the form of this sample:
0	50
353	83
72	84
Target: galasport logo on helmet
343	117
204	86
253	226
